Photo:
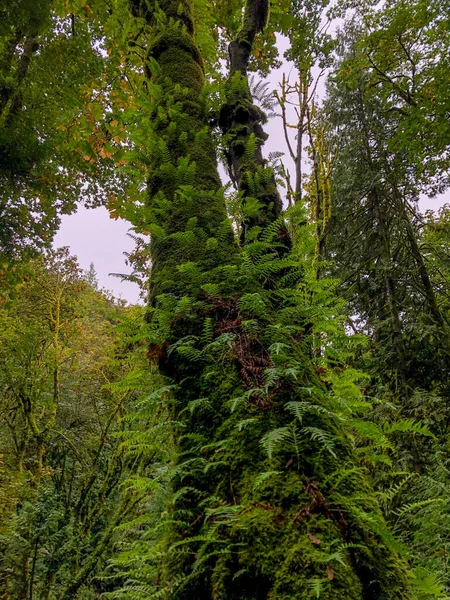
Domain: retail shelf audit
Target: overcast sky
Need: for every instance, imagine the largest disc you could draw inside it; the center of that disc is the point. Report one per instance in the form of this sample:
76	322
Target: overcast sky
95	238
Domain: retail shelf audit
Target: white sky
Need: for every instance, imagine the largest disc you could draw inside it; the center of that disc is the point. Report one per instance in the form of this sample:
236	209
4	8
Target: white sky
94	237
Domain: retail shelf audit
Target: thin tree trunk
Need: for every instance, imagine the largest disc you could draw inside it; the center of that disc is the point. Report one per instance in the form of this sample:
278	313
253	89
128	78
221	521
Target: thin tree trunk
33	567
11	101
241	122
95	556
428	290
397	332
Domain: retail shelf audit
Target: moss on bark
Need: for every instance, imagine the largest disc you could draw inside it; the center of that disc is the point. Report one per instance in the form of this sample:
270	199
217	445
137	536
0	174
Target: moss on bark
241	123
241	524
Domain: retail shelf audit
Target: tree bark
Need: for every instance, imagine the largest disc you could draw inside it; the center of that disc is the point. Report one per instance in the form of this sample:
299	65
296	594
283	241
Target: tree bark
261	542
241	124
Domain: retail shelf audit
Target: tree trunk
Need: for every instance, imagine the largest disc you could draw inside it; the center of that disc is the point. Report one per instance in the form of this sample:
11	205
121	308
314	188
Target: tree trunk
249	517
397	333
241	123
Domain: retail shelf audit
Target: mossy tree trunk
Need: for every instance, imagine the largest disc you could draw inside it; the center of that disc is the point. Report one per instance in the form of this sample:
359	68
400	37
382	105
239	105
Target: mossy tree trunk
184	180
247	519
241	123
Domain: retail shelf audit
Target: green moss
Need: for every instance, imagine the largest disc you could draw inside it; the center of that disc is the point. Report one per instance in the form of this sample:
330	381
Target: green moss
180	126
174	40
242	525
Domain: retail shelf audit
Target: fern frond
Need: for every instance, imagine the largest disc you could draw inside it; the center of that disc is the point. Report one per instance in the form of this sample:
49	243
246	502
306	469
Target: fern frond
408	426
316	586
409	508
275	438
321	436
262	477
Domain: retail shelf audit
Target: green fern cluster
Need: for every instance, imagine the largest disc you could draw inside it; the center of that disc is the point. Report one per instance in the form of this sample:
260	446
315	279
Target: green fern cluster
262	449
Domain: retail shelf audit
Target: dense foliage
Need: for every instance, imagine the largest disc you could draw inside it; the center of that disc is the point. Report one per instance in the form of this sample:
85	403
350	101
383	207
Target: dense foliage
274	424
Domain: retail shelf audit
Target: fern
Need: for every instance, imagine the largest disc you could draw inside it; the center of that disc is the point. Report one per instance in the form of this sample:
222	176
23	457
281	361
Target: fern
300	409
276	438
264	97
316	586
319	435
409	508
198	404
408	426
262	477
245	422
428	584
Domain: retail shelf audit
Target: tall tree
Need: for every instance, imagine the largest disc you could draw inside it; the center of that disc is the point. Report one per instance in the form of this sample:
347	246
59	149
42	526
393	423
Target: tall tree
386	255
265	480
245	467
375	229
56	146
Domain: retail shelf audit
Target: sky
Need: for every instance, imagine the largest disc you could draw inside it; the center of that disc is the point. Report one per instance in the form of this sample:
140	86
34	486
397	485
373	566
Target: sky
95	238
